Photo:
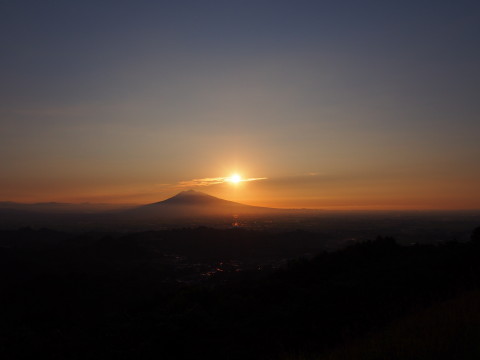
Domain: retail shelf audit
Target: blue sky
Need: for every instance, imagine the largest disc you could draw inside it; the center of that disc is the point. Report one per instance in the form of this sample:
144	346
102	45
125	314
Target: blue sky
105	100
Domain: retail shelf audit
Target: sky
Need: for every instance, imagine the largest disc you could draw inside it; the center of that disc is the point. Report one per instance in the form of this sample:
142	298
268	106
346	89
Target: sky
319	104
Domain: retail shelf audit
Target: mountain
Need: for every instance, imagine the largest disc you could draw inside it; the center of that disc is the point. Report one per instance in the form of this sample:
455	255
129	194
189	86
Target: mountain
193	203
195	198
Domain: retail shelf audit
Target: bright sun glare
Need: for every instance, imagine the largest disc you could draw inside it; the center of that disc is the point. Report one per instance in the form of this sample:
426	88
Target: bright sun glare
235	178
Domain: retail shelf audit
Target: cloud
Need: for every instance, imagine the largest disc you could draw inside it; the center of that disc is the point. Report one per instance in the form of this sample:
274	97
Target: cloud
213	181
202	182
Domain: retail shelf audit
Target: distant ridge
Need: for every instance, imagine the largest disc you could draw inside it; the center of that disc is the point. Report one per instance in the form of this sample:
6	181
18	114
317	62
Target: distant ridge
60	207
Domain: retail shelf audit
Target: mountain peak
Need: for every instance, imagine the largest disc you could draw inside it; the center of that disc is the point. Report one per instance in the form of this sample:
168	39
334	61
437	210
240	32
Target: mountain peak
191	197
192	203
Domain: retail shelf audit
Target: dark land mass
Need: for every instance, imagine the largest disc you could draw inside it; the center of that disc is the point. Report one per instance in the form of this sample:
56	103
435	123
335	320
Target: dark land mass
194	209
234	294
154	282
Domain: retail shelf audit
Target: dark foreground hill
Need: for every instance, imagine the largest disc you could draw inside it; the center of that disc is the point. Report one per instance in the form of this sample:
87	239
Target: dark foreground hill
92	296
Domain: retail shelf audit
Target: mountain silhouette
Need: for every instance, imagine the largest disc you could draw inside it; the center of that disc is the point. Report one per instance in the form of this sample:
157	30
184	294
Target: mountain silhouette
193	203
195	198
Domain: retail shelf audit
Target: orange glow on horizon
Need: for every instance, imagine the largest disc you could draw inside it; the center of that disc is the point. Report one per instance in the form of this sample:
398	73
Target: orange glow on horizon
313	191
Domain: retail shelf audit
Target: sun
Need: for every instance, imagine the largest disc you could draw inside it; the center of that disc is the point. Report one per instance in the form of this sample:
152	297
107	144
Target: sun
235	178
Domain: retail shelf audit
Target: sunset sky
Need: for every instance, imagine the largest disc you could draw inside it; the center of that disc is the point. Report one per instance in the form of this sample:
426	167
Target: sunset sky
319	104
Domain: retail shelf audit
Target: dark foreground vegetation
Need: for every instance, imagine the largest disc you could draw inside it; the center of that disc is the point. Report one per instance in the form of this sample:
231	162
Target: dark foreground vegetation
230	294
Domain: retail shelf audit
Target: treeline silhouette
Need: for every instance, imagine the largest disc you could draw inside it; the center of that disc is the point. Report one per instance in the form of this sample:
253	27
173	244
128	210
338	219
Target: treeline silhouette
115	297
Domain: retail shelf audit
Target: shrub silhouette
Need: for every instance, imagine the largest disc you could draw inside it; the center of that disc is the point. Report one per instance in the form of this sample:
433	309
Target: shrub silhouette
475	236
71	296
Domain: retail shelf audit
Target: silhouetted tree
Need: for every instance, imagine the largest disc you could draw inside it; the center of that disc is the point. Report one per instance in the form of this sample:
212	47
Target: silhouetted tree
475	236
